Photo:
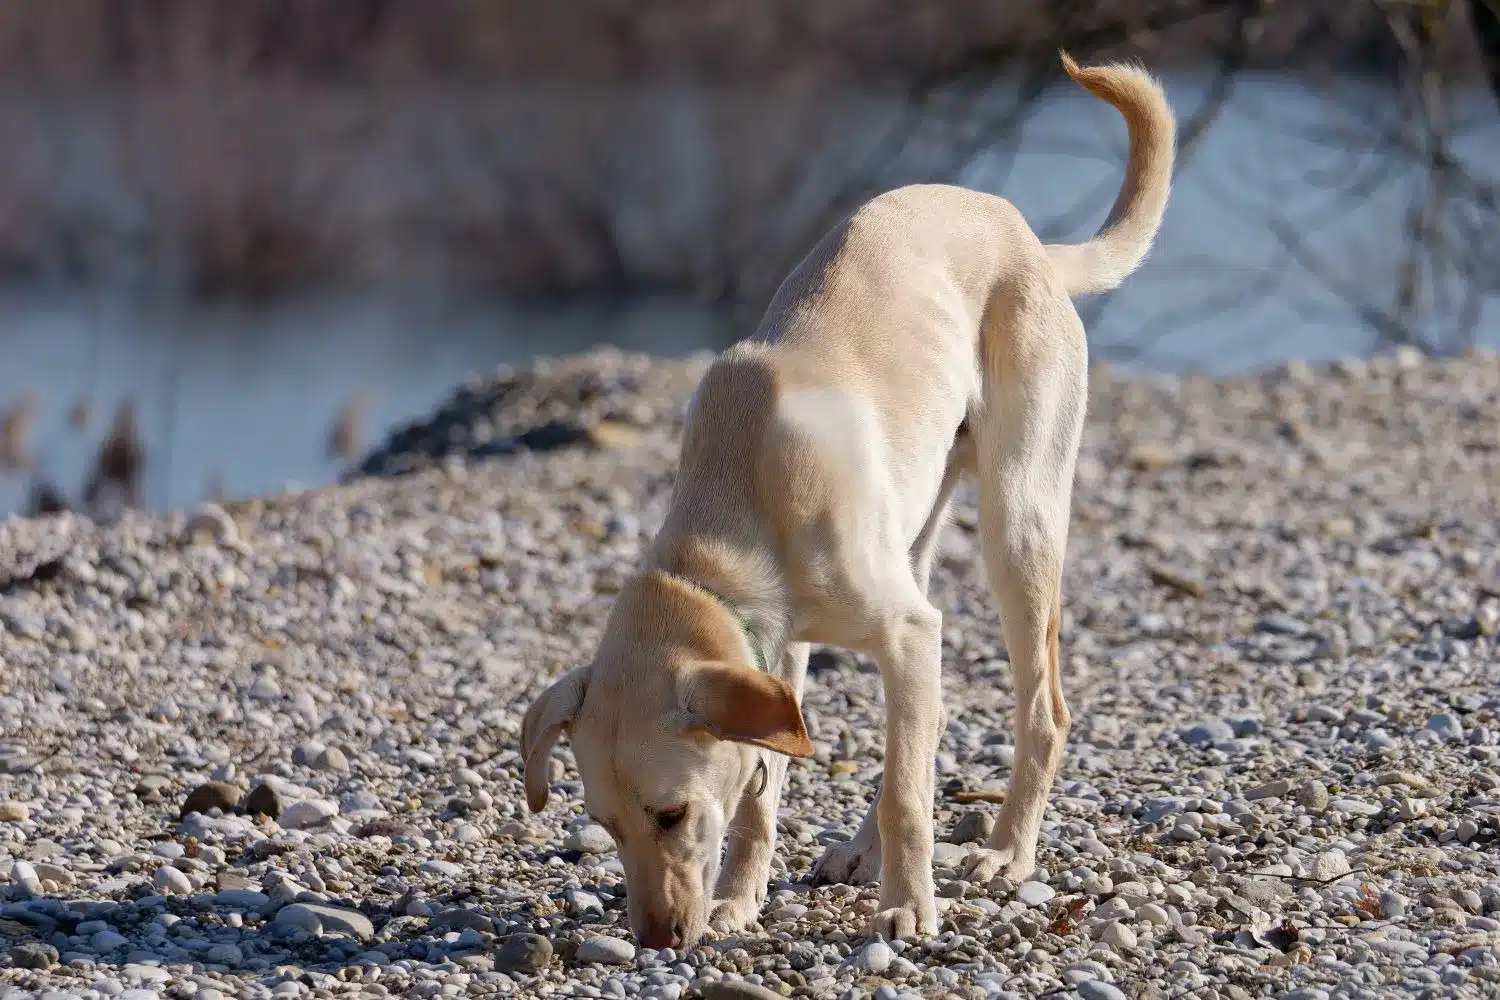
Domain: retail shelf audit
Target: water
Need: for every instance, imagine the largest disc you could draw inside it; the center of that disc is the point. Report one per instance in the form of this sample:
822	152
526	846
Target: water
246	396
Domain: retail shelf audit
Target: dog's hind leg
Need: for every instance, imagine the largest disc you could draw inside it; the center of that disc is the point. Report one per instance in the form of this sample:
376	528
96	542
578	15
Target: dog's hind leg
1027	444
752	832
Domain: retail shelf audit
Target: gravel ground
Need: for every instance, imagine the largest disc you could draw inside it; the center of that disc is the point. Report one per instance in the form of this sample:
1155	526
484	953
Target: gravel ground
1282	597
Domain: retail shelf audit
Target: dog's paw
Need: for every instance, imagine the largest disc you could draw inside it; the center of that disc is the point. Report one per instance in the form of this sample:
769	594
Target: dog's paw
732	915
984	863
905	922
852	862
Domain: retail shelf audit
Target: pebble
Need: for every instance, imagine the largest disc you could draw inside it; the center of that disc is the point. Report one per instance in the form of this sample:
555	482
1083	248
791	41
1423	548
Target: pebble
523	953
211	523
875	958
213	795
737	990
317	916
591	839
332	759
1312	795
1327	866
307	813
1035	893
1270	790
13	812
33	955
1094	989
169	879
263	800
1118	936
606	951
1208	732
1154	914
973	827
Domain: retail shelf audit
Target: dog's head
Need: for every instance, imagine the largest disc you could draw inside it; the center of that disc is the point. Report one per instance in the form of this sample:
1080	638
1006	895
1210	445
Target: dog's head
666	745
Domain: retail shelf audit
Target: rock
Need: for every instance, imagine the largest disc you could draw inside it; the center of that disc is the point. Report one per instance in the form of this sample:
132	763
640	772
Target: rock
606	951
462	918
874	958
973	827
317	917
523	953
580	902
307	813
264	800
56	874
332	759
210	523
1312	795
1148	456
1270	790
946	855
107	940
1034	893
218	795
242	899
25	879
224	954
1407	778
1466	830
305	753
1154	914
169	879
1327	866
737	990
1118	936
1095	989
1208	733
590	839
14	812
436	866
1446	725
33	955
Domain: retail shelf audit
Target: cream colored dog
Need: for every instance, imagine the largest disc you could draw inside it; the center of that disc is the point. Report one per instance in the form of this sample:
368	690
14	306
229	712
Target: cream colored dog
930	334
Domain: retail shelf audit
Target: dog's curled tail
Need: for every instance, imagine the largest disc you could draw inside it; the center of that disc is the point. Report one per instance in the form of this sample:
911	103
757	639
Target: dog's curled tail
1123	241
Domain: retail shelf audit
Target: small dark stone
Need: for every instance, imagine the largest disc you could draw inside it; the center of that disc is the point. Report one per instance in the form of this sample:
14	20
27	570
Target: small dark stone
822	661
33	955
522	953
552	435
219	795
263	800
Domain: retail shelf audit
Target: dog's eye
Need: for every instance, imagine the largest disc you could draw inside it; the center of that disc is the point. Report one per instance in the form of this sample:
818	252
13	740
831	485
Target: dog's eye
668	818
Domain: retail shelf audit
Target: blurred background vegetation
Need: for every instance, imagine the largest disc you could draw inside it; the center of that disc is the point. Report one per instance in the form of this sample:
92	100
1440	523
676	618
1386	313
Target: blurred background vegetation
228	227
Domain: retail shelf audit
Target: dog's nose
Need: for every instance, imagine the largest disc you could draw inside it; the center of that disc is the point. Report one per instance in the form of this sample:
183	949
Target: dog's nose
658	933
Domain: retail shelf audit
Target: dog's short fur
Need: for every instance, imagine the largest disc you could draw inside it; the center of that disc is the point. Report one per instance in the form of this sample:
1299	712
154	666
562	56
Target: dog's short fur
931	334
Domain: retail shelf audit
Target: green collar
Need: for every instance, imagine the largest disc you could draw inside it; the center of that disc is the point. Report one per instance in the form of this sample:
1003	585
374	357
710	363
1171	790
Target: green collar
734	612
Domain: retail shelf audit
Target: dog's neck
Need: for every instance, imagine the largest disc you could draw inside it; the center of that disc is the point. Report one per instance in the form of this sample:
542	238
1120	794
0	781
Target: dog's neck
745	585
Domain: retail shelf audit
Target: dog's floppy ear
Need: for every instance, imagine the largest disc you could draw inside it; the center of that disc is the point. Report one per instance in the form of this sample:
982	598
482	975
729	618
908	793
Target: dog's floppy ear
732	702
552	712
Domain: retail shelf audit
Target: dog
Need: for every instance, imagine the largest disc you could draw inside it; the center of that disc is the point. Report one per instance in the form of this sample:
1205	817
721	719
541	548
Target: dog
928	336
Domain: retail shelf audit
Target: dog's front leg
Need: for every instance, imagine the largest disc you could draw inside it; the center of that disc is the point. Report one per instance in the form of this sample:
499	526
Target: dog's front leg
752	832
911	667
